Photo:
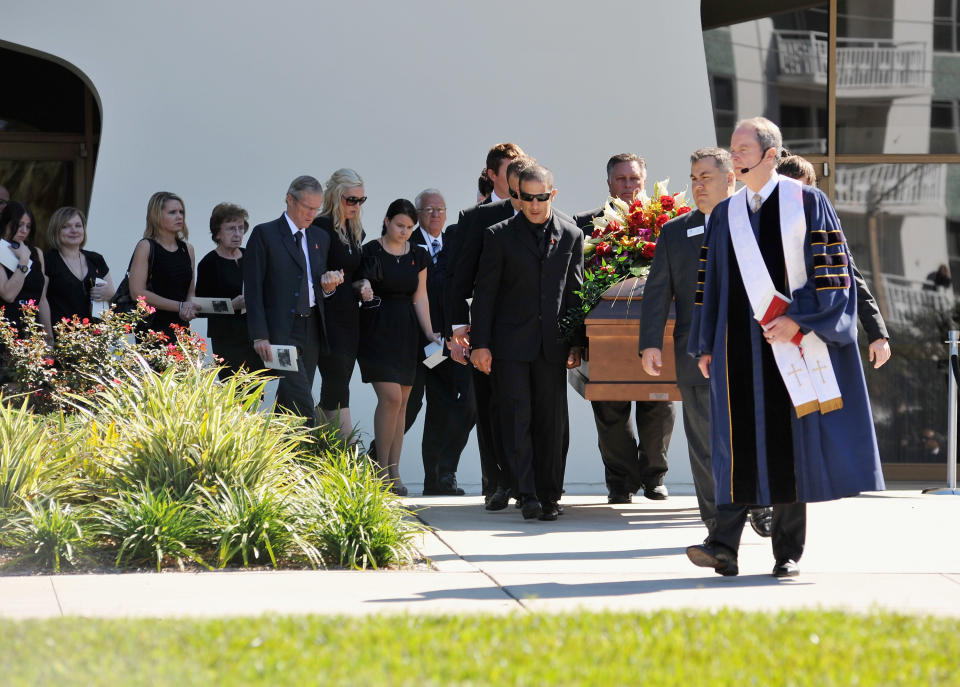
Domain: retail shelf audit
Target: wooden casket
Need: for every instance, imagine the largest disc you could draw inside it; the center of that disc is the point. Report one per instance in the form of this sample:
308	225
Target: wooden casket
613	371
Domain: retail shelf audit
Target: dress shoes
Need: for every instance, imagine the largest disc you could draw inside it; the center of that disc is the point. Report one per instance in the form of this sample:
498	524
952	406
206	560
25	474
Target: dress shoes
761	520
559	508
619	497
447	485
786	567
549	511
657	493
716	556
531	508
497	500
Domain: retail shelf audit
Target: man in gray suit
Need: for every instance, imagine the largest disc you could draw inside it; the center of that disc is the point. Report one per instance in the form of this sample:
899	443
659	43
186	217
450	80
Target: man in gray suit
673	278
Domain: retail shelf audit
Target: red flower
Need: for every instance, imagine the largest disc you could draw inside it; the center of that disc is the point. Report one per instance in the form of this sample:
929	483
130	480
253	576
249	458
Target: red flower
648	250
604	248
682	210
613	226
96	330
666	202
48	361
662	219
85	320
635	206
597	233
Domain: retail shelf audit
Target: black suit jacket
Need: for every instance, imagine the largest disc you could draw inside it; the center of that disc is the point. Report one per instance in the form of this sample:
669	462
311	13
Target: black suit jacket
273	265
673	278
521	294
464	259
584	220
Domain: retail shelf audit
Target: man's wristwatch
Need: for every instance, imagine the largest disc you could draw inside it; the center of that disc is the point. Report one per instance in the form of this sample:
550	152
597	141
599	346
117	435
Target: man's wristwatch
23	268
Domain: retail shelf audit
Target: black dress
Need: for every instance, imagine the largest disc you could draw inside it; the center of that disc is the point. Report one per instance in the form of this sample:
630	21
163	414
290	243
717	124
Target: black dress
342	317
67	295
171	277
221	277
31	290
390	333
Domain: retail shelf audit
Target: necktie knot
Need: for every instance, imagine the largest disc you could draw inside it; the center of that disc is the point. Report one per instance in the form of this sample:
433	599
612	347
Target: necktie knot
756	202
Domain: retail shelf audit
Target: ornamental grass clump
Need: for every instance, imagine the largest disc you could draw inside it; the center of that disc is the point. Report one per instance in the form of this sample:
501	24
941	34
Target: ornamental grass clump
252	526
184	428
46	535
357	521
149	527
32	459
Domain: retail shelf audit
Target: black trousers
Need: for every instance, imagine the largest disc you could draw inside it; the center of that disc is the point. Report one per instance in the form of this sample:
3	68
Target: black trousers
494	469
236	353
631	464
532	400
789	530
696	426
451	414
295	389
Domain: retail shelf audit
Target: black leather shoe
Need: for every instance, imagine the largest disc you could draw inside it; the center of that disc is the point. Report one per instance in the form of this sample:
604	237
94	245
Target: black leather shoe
619	497
549	511
497	500
431	490
447	486
716	556
761	520
531	508
657	493
786	568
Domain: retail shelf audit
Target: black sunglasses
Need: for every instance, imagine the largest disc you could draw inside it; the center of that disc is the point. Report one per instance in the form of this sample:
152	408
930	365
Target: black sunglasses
542	197
353	200
513	194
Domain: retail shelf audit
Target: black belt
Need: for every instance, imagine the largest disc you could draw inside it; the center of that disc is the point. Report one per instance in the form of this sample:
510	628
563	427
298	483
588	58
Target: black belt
310	313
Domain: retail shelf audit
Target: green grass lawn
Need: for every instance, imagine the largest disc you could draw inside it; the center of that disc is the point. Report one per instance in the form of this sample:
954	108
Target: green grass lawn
668	648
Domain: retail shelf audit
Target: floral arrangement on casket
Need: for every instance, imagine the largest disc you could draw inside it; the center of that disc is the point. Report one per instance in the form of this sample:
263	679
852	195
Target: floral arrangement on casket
621	246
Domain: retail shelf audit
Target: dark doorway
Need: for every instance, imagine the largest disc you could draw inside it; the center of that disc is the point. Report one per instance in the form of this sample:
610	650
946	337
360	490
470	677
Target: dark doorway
49	134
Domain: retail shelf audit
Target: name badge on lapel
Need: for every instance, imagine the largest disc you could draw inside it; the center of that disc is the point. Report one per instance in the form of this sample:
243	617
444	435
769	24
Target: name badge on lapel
694	231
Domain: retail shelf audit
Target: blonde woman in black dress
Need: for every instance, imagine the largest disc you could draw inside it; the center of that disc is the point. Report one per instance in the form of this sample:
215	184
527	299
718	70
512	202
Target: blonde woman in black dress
390	328
168	284
341	219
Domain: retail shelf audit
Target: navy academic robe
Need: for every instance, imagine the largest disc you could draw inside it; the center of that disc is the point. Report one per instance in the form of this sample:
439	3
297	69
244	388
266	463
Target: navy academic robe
762	452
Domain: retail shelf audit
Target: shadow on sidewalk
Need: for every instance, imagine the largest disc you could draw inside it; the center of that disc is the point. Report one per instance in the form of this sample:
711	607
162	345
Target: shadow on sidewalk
556	590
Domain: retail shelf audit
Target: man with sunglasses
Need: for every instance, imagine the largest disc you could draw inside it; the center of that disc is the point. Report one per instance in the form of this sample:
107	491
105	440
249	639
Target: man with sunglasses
530	268
285	280
465	247
631	461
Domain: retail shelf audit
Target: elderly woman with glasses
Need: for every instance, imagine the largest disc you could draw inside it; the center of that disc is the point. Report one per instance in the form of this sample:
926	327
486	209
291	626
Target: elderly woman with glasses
340	217
220	275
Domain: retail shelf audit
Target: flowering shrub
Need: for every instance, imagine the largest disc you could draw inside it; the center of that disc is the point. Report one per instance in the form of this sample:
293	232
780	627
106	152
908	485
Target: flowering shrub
621	245
87	353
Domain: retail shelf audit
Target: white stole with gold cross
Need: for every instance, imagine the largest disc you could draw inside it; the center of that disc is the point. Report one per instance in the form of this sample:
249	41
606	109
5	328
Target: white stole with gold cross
804	362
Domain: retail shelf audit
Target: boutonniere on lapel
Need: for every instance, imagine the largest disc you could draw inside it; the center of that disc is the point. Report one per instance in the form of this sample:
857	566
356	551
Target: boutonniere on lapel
316	246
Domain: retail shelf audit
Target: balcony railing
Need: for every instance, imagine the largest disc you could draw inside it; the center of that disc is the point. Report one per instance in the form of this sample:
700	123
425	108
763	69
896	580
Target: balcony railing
862	63
911	302
891	186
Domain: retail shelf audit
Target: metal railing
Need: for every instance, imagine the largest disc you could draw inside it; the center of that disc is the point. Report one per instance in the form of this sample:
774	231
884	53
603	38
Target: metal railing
862	63
908	300
891	185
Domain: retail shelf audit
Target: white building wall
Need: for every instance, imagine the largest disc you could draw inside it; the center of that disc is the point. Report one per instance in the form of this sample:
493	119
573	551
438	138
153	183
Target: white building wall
220	101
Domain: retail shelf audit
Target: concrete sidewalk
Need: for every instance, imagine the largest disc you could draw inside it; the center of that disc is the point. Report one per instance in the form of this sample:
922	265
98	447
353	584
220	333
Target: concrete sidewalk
895	550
